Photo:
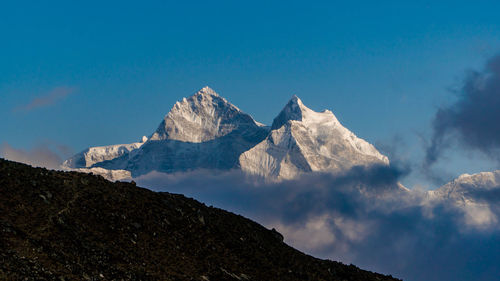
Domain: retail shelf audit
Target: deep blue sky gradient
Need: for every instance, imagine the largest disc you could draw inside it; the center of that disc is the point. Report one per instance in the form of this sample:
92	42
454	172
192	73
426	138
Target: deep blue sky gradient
383	67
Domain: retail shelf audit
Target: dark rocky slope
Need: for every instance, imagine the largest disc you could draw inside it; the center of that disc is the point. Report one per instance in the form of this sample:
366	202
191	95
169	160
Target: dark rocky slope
72	226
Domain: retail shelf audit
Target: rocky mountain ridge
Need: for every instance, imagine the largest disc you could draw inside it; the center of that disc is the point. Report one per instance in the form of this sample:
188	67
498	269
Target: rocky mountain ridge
75	226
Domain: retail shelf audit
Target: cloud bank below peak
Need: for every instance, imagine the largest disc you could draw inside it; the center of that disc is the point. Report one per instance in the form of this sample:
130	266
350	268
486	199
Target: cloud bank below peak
360	216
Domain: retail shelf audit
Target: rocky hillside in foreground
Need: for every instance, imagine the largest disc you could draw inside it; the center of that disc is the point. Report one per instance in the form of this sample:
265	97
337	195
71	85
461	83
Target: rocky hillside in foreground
74	226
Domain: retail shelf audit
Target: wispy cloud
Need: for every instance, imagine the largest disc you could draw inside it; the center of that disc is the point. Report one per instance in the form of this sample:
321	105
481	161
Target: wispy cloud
473	120
55	95
43	155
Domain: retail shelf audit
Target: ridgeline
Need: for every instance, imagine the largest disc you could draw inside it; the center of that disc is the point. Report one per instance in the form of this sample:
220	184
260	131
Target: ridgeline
74	226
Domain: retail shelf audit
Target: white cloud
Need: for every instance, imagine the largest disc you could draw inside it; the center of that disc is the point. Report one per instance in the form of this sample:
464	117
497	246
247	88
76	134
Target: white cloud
313	234
360	217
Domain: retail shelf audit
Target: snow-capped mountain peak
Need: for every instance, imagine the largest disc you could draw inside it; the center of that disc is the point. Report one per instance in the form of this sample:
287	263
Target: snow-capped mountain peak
207	91
303	140
292	111
466	185
475	195
208	132
295	110
202	131
202	117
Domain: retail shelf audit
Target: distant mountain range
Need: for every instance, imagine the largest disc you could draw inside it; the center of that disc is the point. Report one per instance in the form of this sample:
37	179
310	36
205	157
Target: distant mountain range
206	131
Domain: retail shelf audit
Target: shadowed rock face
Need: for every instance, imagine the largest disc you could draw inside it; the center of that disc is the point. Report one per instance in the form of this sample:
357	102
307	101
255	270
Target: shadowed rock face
74	226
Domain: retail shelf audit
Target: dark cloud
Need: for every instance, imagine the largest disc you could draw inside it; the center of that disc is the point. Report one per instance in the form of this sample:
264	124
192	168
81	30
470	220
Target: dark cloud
47	99
393	148
473	120
362	216
42	155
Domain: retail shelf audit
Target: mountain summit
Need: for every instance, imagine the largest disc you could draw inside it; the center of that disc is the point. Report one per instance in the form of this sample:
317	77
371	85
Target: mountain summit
206	131
203	117
292	111
202	131
302	140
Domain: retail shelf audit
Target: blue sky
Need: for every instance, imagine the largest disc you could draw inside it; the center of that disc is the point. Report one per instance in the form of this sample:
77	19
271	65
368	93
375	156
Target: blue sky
98	73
